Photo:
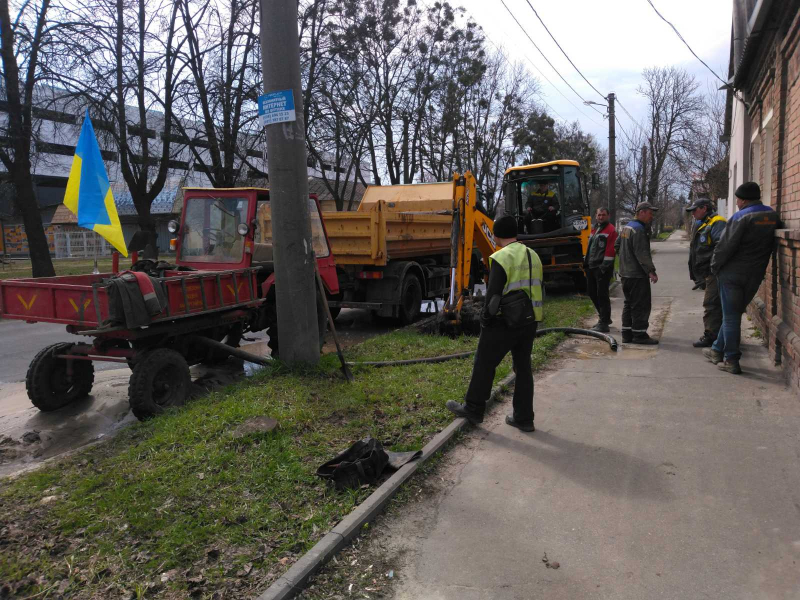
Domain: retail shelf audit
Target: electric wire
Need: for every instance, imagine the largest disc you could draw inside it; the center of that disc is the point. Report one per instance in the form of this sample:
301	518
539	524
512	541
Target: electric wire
574	66
548	61
678	33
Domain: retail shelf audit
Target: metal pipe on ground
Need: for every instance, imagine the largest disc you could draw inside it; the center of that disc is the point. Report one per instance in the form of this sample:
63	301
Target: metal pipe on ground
236	352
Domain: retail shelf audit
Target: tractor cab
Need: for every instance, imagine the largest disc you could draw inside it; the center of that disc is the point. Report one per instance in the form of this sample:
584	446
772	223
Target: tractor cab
232	228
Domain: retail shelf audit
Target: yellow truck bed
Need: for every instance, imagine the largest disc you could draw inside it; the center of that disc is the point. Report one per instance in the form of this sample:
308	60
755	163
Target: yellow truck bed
393	222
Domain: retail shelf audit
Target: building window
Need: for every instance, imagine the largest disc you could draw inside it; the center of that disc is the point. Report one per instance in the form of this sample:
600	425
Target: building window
766	178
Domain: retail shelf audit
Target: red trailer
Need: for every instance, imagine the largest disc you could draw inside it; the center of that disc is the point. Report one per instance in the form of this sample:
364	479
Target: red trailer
221	286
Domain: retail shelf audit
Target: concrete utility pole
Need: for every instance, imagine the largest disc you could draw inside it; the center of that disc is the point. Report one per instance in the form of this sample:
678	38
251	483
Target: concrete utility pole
612	161
298	332
644	173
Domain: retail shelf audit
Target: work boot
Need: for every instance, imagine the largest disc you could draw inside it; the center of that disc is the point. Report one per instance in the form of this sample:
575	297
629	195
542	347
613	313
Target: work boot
601	327
712	355
627	336
644	340
510	420
730	366
704	342
460	410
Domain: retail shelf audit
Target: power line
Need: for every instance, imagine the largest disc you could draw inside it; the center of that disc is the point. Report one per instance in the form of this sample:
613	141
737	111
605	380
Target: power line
508	62
634	121
574	66
678	33
548	61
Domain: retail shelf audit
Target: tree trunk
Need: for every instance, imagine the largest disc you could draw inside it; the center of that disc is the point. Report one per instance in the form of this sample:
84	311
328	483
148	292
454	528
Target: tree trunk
38	247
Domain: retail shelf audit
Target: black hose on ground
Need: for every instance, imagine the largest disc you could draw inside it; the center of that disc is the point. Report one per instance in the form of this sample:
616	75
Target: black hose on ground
437	359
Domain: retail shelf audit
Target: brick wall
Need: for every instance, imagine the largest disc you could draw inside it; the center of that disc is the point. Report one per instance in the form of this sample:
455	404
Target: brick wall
16	242
773	93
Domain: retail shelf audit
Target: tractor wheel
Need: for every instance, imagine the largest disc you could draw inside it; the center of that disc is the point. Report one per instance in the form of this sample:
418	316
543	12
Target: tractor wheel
232	339
410	299
159	381
48	384
272	329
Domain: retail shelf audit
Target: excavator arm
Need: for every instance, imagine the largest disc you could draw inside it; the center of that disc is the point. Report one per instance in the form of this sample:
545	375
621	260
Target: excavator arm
470	229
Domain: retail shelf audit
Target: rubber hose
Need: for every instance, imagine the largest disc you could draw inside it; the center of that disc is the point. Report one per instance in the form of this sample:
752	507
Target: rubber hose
437	359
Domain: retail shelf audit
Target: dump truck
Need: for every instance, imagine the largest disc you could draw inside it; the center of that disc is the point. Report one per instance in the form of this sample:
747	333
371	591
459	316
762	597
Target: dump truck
392	253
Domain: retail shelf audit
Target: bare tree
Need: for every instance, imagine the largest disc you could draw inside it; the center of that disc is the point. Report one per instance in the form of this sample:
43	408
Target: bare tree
217	103
22	43
675	110
122	64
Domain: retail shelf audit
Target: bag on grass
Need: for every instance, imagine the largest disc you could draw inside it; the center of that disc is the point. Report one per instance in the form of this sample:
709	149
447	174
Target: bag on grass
361	463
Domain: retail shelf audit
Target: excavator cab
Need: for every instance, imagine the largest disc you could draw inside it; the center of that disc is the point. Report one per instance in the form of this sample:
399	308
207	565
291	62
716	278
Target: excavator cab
552	211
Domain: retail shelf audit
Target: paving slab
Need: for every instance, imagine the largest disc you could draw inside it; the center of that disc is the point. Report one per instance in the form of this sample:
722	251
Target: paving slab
652	474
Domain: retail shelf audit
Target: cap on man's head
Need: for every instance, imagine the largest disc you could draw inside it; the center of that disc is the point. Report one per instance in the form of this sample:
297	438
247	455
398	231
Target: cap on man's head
505	227
748	191
645	206
699	203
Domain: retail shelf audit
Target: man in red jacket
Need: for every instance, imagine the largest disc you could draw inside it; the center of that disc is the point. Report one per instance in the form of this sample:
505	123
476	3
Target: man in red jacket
599	265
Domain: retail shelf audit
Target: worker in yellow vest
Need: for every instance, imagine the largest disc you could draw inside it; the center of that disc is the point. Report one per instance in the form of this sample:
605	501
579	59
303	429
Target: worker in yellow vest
706	233
511	314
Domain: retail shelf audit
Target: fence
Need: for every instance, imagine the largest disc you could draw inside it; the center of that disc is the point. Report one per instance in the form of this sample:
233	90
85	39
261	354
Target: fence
80	244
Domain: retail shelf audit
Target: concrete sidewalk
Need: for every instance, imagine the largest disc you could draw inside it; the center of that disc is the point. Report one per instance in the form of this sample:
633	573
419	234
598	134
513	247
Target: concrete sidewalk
652	474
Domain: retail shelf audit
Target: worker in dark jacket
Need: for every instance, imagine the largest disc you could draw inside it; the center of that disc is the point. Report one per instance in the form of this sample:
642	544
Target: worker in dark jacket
542	204
740	262
707	230
515	273
599	265
637	270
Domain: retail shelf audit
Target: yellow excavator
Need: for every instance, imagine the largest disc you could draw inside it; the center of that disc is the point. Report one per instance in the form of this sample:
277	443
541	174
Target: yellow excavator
550	203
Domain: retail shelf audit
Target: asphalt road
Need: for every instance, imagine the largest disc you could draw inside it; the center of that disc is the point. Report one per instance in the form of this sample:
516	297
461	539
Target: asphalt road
20	341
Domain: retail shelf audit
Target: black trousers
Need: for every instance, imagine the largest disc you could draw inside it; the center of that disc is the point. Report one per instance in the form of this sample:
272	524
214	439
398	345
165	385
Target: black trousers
636	310
597	283
712	308
495	342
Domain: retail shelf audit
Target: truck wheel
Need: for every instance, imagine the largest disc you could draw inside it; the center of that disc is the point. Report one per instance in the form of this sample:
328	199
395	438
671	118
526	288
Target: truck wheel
410	299
48	385
160	380
272	330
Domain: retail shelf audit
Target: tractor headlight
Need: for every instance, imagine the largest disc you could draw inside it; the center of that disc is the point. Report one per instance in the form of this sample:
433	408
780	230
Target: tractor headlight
242	228
173	226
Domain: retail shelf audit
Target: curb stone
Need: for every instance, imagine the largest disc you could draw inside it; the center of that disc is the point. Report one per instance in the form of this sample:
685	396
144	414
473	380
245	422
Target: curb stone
294	580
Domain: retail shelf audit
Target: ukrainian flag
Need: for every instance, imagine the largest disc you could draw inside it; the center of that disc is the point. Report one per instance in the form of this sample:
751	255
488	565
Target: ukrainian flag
89	194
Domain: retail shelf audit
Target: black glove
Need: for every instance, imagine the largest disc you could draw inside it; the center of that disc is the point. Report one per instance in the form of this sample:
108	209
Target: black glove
699	285
607	269
485	318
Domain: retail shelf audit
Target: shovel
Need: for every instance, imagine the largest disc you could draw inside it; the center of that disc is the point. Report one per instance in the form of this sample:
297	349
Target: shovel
345	369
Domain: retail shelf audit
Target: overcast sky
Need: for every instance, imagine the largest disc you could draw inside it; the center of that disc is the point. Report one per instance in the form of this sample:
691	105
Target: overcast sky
610	41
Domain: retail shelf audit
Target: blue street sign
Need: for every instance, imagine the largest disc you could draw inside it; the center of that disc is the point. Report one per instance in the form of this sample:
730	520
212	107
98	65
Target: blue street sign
276	107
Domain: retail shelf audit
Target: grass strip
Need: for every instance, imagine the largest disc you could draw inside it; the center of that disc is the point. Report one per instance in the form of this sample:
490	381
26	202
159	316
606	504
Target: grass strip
181	506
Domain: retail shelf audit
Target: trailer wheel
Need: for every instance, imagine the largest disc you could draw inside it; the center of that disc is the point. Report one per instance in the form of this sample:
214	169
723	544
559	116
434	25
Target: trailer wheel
160	380
48	384
272	329
410	299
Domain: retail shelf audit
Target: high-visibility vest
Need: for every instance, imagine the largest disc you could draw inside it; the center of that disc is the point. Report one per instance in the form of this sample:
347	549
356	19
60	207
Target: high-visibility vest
704	230
519	275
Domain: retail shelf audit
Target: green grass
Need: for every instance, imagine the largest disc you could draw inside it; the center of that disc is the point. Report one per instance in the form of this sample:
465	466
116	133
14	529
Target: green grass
65	266
229	514
664	235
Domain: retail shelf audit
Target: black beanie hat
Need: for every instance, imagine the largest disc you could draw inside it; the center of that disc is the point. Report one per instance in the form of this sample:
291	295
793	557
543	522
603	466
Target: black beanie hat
505	227
748	191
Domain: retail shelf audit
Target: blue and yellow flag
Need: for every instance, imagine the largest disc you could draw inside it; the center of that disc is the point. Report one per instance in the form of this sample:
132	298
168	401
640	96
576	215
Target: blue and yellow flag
88	194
